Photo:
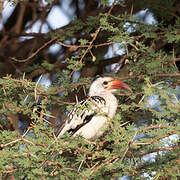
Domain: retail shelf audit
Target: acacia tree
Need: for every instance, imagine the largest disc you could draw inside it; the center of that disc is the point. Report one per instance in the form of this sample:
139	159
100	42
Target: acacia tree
149	64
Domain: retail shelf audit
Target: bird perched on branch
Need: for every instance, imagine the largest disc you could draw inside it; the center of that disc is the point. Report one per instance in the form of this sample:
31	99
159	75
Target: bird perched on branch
90	116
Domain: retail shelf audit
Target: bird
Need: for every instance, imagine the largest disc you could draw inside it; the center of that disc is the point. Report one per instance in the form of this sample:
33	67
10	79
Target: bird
89	117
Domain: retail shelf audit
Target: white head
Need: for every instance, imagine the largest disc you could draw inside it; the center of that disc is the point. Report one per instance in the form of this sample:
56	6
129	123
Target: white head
107	84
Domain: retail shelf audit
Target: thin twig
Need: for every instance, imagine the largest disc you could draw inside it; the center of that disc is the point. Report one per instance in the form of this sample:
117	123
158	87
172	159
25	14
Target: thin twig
36	52
125	152
75	47
81	163
35	88
96	33
12	142
102	165
153	75
1	8
159	149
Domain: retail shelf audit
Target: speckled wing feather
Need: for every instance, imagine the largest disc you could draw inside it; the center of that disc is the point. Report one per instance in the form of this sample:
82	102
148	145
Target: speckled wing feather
81	114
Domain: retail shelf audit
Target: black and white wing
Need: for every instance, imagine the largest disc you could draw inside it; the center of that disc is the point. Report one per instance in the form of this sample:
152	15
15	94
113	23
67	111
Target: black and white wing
81	114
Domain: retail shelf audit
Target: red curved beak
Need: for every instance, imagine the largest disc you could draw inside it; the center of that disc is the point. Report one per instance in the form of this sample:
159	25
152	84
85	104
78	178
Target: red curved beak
117	84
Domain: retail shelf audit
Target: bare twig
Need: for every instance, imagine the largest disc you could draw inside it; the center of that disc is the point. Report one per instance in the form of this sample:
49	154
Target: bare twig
125	152
36	52
159	149
10	143
81	163
35	88
1	8
102	165
96	33
153	75
75	47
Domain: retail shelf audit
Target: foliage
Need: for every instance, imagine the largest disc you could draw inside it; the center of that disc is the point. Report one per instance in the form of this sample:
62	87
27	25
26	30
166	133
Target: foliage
139	130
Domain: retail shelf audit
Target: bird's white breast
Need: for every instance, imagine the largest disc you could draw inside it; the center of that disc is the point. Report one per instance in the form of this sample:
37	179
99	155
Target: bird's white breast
97	125
94	129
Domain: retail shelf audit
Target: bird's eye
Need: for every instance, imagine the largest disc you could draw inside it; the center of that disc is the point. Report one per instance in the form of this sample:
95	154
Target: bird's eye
105	83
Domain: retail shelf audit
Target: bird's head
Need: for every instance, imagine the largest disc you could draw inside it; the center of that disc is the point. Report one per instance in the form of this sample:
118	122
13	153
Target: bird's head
107	84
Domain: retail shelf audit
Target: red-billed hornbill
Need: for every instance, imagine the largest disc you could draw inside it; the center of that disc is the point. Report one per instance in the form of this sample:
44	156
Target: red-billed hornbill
90	116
